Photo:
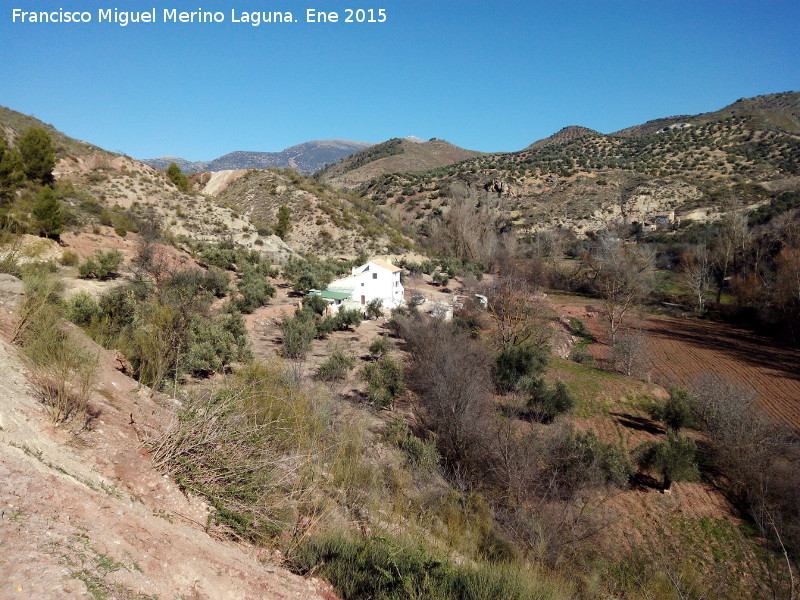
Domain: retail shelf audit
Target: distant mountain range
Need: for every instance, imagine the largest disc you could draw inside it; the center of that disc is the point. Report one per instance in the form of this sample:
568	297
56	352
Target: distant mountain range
305	158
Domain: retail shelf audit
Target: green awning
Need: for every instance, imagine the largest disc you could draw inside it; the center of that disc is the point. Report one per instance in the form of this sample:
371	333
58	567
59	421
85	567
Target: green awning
331	295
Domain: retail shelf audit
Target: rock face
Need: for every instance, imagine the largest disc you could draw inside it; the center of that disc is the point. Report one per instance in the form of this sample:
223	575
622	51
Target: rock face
276	249
10	287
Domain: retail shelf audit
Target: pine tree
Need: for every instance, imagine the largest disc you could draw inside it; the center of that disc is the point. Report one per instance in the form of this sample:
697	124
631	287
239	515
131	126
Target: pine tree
46	214
179	179
38	158
284	225
11	175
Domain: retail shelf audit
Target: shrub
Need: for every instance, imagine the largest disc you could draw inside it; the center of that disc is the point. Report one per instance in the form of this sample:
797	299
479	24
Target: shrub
546	402
283	223
421	454
348	318
233	447
384	381
298	333
676	411
254	290
337	366
380	346
315	303
82	309
69	258
383	568
581	356
177	178
514	363
46	213
674	460
61	369
607	463
216	282
102	265
374	309
213	344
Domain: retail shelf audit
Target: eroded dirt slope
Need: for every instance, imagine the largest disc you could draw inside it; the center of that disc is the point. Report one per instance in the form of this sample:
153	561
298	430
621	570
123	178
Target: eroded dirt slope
85	515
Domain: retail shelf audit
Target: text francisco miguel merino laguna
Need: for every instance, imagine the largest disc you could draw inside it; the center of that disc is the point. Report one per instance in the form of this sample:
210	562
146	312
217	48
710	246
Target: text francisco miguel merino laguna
173	15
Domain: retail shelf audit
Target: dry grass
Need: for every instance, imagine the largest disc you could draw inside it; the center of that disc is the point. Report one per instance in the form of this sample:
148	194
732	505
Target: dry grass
62	371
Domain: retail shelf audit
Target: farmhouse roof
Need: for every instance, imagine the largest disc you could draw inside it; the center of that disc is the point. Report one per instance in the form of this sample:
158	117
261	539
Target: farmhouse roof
386	265
331	294
345	284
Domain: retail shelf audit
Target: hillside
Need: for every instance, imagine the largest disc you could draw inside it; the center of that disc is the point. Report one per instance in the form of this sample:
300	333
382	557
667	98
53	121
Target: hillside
13	124
747	153
324	220
393	156
307	157
770	111
566	134
89	512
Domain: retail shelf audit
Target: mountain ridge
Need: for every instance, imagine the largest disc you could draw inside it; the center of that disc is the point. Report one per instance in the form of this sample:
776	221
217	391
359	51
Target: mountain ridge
306	157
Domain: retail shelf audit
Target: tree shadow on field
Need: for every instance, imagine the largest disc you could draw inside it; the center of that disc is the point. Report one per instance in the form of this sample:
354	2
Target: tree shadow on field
738	344
644	482
638	423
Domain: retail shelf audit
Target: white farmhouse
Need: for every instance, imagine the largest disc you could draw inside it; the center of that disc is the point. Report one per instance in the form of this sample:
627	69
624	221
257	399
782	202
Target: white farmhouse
376	279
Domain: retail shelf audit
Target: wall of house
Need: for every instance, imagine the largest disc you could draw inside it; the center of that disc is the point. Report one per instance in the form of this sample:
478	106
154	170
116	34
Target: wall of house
378	282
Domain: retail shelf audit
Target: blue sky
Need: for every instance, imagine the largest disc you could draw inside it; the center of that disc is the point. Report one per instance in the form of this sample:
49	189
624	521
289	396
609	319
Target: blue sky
490	77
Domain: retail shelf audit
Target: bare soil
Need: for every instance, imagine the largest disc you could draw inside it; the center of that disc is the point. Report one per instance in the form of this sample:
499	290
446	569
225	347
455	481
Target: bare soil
684	349
83	513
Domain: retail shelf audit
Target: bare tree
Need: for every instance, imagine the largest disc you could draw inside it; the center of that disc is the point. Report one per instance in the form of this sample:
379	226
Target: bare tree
453	405
621	274
470	228
631	353
697	275
732	240
759	460
519	316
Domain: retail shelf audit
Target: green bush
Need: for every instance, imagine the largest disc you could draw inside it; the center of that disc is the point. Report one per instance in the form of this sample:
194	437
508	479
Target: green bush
382	568
674	460
546	402
213	344
298	333
176	177
676	411
374	309
384	381
380	346
315	303
254	290
347	318
581	356
101	265
606	463
514	363
69	258
46	214
82	309
421	455
336	366
61	369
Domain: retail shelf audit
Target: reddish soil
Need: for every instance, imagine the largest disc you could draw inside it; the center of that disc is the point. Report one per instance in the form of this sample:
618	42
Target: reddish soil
683	349
83	513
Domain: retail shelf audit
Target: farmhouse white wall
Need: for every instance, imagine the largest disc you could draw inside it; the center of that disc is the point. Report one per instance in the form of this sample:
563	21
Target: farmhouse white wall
376	279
